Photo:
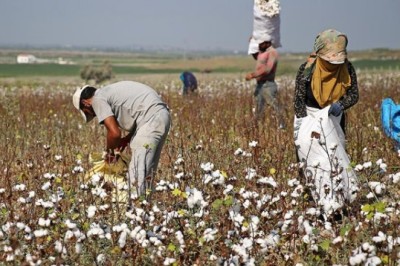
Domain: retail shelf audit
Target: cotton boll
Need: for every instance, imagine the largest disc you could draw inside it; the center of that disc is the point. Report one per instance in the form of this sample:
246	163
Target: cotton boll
367	247
358	259
307	227
68	235
78	248
91	211
383	167
293	182
41	233
377	187
228	189
22	200
381	237
306	239
44	222
358	167
122	239
101	258
337	240
373	261
169	261
313	212
95	179
46	186
207	167
395	177
370	195
367	165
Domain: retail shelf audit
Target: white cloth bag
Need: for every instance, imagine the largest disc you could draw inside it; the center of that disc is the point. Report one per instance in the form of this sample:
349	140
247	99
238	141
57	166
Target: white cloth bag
265	26
320	144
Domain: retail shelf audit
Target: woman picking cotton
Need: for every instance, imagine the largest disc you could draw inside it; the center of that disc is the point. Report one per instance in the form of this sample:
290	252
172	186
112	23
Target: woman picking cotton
326	86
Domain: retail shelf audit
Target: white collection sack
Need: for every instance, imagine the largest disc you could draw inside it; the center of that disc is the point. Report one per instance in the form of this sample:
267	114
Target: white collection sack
266	24
320	144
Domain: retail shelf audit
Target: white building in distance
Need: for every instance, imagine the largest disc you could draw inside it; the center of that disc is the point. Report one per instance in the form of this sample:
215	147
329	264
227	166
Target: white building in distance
26	59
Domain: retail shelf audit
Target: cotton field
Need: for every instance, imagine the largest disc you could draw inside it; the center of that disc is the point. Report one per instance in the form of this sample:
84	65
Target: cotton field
227	191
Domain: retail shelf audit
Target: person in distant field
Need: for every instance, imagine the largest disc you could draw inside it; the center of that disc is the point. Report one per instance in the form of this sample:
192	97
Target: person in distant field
189	82
266	89
137	109
327	78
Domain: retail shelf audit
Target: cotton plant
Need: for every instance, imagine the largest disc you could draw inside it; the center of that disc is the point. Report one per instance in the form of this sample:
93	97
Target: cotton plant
250	173
365	255
377	187
243	153
382	165
394	178
268	180
269	242
216	177
244	248
209	234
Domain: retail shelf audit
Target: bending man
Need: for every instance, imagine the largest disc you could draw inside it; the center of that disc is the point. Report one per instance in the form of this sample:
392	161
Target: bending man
137	109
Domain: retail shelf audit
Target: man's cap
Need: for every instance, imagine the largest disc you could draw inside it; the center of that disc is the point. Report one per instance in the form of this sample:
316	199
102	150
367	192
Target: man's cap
331	45
76	99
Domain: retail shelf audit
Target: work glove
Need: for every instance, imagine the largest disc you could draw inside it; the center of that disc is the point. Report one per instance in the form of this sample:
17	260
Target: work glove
336	109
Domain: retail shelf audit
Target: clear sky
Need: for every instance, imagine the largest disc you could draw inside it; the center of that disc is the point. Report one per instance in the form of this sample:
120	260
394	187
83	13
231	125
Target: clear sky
193	25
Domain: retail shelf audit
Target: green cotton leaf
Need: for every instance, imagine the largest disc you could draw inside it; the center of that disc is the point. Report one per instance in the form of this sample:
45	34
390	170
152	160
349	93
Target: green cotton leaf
325	244
345	229
4	211
171	247
176	192
182	212
116	250
367	208
86	226
217	204
228	201
385	259
202	240
370	215
380	206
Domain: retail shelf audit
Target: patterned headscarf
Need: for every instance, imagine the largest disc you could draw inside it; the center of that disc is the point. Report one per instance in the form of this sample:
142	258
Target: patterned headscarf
328	66
331	45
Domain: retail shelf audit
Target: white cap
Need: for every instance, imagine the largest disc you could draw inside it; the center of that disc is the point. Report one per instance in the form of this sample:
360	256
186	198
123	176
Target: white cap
76	99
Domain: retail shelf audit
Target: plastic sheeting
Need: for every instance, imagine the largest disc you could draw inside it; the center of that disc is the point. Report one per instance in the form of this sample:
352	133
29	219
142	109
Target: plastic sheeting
114	174
390	117
320	144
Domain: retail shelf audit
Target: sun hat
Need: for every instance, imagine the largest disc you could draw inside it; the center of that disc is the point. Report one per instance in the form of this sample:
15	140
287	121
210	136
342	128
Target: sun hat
76	99
330	45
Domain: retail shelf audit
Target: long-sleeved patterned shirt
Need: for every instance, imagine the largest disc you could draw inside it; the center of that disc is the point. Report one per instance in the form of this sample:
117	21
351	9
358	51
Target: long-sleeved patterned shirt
303	95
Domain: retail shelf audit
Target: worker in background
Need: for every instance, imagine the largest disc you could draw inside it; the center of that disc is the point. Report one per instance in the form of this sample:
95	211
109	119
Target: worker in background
266	90
189	82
